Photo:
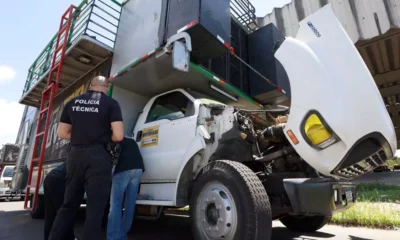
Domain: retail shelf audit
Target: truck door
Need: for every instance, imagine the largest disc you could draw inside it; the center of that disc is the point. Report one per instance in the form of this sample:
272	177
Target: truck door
163	133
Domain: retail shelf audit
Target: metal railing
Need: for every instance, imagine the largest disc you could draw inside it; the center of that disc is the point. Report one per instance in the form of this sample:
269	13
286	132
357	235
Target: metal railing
97	19
245	14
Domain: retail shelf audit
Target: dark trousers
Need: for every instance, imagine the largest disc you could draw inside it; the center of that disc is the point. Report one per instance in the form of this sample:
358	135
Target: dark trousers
54	188
88	169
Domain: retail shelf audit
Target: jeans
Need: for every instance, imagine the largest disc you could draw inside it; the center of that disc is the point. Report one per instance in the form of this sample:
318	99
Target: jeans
126	182
88	169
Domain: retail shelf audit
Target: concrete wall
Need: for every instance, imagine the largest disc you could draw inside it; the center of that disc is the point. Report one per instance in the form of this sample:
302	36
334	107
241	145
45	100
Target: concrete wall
362	19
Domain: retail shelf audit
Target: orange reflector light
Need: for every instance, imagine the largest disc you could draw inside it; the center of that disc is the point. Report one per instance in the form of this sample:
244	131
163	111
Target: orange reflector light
292	137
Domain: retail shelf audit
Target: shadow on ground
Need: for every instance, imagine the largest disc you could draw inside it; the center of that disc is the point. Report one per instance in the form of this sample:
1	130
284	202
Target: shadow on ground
284	233
17	225
177	227
358	238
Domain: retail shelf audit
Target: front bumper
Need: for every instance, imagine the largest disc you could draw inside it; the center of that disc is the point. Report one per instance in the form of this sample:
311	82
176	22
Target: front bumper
319	196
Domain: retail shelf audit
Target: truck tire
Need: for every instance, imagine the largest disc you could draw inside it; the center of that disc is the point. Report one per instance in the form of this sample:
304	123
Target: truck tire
38	211
305	223
229	202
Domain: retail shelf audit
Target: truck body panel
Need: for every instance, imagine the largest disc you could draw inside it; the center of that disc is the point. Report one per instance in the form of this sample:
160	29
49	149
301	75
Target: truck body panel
213	16
131	105
228	67
207	21
165	139
262	45
140	22
335	72
152	23
24	140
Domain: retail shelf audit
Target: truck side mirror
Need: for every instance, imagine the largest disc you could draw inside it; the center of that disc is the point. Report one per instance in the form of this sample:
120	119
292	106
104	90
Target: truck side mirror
180	57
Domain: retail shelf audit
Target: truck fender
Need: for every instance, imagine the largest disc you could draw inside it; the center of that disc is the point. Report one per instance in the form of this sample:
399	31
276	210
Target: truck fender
186	171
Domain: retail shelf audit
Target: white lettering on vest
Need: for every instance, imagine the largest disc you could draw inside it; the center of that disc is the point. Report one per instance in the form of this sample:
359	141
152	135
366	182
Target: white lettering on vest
87	102
84	109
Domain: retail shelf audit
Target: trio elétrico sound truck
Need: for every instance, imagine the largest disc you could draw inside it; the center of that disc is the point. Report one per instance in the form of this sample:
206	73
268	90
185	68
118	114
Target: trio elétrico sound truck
242	124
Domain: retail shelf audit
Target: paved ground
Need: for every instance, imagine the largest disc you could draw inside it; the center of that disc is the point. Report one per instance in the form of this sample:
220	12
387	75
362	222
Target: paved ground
16	224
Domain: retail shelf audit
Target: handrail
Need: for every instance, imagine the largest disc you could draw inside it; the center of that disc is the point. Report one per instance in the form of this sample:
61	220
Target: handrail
244	12
55	35
96	16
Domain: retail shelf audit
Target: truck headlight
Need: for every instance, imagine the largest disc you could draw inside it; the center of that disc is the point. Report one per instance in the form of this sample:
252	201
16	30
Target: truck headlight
317	132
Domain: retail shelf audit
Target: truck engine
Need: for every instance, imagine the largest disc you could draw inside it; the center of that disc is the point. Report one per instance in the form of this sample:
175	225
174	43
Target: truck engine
257	140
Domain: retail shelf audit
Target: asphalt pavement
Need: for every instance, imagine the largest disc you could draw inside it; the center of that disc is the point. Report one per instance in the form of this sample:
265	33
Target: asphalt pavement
16	224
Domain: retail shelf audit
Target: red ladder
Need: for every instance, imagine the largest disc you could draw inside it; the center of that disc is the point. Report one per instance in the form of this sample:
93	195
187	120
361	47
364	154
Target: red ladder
47	104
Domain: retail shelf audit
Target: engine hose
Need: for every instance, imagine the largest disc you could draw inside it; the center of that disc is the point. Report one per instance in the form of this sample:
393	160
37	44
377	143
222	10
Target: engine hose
275	133
272	156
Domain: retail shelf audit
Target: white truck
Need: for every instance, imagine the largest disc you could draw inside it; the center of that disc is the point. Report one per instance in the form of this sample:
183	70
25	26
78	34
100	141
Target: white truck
240	164
237	170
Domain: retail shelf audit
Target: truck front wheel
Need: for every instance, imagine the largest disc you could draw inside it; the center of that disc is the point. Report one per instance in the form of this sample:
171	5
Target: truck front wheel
305	223
230	202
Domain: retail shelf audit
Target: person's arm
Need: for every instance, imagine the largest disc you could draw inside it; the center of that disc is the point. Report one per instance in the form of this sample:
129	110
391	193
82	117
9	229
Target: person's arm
117	124
117	131
64	130
65	125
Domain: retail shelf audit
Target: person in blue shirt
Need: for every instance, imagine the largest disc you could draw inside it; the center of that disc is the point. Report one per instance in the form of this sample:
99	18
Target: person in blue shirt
125	182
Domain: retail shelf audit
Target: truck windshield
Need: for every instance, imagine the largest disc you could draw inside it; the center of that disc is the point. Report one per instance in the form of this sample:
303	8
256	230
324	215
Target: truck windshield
8	172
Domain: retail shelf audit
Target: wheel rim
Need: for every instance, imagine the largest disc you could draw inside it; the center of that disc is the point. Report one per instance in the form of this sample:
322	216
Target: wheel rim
216	212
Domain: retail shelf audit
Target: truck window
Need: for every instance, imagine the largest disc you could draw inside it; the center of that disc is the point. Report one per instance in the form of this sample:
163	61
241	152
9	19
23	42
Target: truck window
8	172
171	106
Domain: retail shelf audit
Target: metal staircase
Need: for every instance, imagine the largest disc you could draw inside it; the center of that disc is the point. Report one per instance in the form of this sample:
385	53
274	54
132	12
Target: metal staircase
46	104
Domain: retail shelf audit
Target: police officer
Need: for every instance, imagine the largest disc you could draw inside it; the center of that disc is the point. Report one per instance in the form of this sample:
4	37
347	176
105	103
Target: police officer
54	188
91	121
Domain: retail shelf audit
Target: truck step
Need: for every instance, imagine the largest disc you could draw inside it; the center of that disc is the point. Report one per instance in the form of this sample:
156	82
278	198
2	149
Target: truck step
155	202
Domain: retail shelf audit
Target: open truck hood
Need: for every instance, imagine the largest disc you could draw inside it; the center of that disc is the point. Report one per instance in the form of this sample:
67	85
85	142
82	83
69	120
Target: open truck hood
328	75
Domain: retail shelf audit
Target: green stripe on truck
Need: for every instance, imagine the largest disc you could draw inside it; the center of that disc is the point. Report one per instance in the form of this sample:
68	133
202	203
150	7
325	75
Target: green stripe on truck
224	85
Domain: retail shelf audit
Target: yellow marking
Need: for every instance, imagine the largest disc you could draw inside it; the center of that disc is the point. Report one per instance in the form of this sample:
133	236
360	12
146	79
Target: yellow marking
150	136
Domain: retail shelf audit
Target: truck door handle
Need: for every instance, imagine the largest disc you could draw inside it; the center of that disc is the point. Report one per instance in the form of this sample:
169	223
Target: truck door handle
138	136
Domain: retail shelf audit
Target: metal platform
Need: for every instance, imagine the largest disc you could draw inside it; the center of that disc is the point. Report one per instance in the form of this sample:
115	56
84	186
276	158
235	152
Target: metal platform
73	69
153	74
90	44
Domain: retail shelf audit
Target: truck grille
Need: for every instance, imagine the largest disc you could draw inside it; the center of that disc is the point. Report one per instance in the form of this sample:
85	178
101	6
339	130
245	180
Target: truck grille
364	166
